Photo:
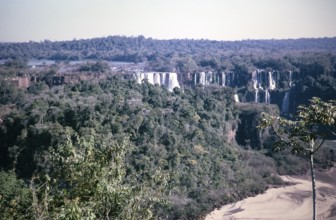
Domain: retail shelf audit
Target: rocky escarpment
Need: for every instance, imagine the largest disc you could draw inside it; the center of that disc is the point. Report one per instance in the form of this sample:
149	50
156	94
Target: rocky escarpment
259	86
283	88
249	115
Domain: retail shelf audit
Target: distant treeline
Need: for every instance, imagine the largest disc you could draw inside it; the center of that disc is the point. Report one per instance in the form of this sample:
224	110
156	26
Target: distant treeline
166	55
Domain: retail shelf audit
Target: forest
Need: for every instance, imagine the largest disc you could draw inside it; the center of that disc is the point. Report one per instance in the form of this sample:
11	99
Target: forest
102	146
179	55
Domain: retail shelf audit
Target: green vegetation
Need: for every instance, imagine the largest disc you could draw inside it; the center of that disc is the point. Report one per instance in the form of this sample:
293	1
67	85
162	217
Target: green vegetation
307	134
83	142
188	135
311	61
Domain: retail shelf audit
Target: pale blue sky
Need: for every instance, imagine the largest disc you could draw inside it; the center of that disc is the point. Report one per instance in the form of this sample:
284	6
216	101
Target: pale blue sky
24	20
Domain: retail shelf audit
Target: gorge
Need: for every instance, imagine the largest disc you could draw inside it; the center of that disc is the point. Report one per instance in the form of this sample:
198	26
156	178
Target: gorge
186	109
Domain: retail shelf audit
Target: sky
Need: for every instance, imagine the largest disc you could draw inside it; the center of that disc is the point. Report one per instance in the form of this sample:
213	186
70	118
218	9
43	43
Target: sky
56	20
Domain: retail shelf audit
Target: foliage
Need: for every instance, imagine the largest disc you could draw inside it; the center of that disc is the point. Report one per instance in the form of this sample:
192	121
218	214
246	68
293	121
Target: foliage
307	134
82	180
10	94
186	134
68	110
94	67
183	56
311	61
315	122
15	197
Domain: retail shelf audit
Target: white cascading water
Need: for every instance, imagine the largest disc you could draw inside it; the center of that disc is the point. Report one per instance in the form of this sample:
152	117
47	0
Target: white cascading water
258	78
140	77
195	79
157	79
290	78
271	81
255	83
256	96
168	80
163	80
236	97
150	77
172	82
205	78
271	86
223	78
202	78
285	101
267	96
209	78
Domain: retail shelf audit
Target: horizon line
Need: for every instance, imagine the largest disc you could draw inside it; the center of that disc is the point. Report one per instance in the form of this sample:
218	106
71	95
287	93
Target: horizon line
167	39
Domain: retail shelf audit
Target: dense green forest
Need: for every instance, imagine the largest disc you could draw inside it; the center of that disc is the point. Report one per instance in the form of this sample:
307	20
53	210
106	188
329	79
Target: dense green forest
182	56
188	135
110	148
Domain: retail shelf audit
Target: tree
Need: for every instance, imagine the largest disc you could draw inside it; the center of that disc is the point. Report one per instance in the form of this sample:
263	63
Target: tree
80	179
315	123
15	197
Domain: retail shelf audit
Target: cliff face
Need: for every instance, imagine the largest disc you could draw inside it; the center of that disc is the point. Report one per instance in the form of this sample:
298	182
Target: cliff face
20	82
57	80
286	89
228	78
250	114
259	86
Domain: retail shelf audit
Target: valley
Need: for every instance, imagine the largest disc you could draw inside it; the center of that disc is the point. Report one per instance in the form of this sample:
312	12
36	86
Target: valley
165	128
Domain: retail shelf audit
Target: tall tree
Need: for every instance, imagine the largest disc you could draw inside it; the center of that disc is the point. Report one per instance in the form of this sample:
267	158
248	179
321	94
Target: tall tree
315	123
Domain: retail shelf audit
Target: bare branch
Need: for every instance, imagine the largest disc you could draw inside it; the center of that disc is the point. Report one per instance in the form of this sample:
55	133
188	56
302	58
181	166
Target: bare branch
278	135
319	146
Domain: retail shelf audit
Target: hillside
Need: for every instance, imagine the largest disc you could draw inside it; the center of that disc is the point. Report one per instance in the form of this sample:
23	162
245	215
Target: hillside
168	120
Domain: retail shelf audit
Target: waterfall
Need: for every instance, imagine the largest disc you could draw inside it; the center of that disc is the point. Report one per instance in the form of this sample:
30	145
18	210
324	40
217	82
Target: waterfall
271	81
140	77
267	96
255	80
150	78
285	103
164	79
256	96
236	97
255	83
223	78
168	80
202	79
290	78
262	82
172	82
218	78
157	78
209	78
195	79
